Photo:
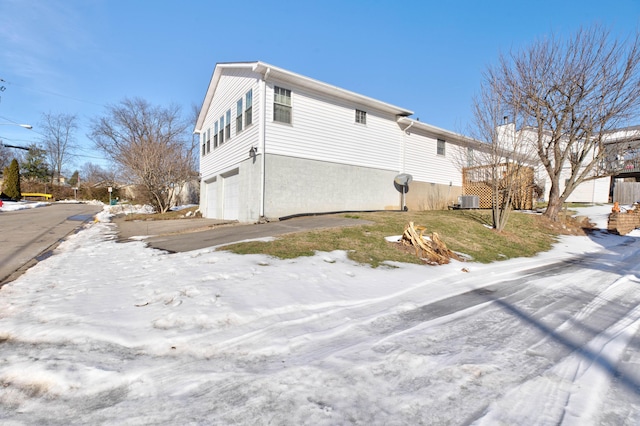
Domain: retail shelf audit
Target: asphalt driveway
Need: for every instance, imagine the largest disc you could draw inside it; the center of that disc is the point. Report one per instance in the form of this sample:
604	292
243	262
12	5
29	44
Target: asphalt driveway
182	235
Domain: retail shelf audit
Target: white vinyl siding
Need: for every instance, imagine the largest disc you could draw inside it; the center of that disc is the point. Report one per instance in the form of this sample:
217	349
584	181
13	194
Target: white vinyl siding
233	85
421	162
324	130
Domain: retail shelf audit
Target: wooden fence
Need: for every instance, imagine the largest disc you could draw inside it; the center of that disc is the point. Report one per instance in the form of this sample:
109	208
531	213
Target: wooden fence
626	192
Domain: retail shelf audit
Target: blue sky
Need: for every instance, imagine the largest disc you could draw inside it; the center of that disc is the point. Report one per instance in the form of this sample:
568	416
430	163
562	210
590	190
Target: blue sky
76	56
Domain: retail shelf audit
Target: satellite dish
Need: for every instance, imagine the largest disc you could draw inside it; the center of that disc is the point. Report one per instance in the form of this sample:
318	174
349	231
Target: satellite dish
401	182
403	179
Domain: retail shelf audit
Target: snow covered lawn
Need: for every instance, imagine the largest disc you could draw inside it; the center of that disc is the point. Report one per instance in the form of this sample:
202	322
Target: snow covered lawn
112	333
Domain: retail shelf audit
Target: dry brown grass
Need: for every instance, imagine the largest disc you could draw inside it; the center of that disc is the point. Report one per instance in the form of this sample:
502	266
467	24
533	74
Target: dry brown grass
463	231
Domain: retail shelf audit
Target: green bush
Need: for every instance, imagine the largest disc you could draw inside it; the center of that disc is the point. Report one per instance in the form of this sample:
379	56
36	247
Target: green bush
11	186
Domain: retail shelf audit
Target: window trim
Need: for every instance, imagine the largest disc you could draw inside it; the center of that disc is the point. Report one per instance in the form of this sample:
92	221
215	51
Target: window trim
283	106
221	131
248	108
441	147
239	116
470	156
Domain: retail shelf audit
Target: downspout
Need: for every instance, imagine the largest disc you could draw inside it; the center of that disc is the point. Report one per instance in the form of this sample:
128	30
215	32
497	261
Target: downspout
404	160
404	147
262	136
201	183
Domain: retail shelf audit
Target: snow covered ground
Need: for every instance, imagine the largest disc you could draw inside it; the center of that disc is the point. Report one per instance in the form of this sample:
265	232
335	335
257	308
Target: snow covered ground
112	333
9	206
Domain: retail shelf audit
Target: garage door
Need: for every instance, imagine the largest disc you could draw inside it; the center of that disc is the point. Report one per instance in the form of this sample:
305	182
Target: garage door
212	199
231	204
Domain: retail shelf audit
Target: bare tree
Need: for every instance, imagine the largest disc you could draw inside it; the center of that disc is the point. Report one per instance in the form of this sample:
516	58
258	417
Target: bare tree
94	174
151	146
570	94
506	154
59	140
5	156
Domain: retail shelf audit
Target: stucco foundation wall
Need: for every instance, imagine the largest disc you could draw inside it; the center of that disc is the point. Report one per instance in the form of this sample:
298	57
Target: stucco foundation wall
251	169
295	185
431	196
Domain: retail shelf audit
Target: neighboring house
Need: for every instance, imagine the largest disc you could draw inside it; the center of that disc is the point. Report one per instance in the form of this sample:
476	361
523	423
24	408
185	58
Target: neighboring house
620	163
593	190
623	159
274	143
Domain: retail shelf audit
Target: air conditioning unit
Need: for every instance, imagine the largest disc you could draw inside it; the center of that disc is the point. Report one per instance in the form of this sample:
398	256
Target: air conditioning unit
469	201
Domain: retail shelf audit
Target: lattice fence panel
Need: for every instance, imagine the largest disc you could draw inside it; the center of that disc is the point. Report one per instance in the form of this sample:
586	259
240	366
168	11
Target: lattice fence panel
477	181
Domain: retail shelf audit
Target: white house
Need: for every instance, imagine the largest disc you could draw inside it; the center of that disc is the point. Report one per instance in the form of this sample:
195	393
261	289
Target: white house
620	163
274	143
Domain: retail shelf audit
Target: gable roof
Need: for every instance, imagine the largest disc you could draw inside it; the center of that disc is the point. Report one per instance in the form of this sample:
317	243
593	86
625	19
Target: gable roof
270	71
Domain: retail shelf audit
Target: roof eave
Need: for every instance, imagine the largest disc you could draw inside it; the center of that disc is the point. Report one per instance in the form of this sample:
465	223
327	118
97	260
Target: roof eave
438	132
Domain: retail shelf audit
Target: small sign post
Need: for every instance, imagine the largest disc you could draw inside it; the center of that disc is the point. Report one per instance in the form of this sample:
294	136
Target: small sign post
110	189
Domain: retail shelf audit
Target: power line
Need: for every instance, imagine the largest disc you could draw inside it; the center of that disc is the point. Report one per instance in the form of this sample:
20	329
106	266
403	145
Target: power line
2	144
52	93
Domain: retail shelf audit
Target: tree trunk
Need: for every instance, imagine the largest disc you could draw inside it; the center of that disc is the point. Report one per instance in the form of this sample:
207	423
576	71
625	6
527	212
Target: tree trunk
555	203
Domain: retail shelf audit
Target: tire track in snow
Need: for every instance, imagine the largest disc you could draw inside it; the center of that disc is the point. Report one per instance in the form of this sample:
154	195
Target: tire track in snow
573	387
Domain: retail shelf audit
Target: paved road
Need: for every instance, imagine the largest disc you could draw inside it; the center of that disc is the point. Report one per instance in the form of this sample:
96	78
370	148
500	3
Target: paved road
28	234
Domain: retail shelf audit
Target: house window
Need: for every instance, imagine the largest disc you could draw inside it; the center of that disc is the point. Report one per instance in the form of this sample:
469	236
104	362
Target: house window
228	127
208	140
361	117
441	147
282	105
239	116
248	108
470	157
221	132
204	143
215	135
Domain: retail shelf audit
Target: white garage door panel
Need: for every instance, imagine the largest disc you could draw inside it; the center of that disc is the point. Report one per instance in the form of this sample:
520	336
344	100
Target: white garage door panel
212	200
231	206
